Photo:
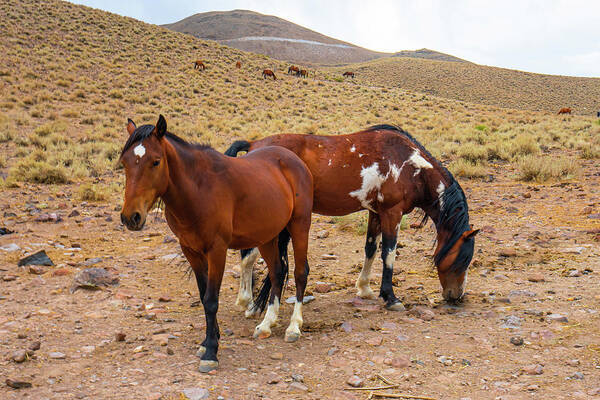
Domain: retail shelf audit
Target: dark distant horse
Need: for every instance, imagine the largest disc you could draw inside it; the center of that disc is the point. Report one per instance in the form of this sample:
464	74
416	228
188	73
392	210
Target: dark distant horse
293	70
214	203
386	171
565	110
268	72
303	73
348	73
199	65
238	65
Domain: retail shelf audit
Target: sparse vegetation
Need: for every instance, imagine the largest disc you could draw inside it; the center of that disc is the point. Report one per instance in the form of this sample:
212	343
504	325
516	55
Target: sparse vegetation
91	192
542	169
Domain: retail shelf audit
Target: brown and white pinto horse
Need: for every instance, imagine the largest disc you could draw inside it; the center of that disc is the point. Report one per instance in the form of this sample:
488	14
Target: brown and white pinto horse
386	171
565	110
198	64
303	73
268	72
348	73
214	203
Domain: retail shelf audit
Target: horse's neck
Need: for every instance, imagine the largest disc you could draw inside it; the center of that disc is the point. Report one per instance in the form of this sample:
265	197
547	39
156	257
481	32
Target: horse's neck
431	202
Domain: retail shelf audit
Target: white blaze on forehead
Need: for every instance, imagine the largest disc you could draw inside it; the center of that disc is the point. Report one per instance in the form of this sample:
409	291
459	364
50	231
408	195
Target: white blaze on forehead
371	180
440	191
352	149
139	150
329	163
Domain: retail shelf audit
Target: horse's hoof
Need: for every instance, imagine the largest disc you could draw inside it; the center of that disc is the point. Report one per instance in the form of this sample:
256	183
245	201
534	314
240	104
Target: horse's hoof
201	351
208	365
367	294
250	313
291	337
397	306
260	334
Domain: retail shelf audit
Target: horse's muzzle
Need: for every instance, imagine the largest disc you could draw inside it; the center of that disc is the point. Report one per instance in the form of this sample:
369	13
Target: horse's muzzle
134	223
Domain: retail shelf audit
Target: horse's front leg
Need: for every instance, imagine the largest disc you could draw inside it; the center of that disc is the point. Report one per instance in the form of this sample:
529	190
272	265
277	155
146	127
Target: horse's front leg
390	222
277	274
372	242
244	297
216	266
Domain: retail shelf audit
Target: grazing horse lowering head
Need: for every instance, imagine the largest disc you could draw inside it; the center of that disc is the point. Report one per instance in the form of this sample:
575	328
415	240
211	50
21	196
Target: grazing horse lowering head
146	171
456	242
565	110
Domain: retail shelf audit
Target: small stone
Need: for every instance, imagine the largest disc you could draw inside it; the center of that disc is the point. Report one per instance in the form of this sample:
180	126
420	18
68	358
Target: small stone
276	356
447	361
322	287
169	239
88	349
374	341
164	299
511	322
575	273
329	257
19	356
322	234
532	388
397	362
533	369
557	318
57	355
10	247
594	392
273	378
577	375
572	363
61	272
298	387
298	378
517	340
35	345
170	351
573	250
422	313
17	384
355	381
510	252
9	278
37	269
332	351
120	337
138	349
39	258
196	393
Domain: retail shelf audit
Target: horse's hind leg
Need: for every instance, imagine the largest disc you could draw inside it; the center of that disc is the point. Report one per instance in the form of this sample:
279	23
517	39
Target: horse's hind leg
277	275
371	244
244	297
298	229
390	221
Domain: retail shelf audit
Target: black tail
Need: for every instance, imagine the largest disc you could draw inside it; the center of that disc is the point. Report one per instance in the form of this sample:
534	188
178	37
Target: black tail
236	147
265	290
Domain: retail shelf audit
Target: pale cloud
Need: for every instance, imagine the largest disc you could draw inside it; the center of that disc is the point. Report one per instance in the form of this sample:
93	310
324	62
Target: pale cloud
550	36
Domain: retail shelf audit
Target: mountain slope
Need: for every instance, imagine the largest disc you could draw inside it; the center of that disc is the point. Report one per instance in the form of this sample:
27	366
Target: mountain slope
271	36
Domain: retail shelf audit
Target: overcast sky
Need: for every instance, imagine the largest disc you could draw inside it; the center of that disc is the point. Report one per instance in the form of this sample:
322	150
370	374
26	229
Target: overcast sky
546	36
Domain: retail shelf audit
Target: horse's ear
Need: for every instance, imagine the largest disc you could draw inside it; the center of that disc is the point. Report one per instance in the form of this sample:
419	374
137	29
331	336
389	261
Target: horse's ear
161	126
470	234
130	126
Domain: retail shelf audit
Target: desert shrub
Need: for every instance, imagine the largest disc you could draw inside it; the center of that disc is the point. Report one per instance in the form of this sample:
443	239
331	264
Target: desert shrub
473	153
354	223
542	169
30	170
51	127
467	169
91	192
590	151
524	145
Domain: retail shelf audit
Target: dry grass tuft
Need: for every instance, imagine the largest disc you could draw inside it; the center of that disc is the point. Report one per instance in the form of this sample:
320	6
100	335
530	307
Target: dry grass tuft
542	169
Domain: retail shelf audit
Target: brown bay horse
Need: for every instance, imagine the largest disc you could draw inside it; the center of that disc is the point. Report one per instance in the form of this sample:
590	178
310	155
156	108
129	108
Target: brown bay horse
293	70
268	72
387	172
565	110
213	203
348	73
303	73
198	64
238	65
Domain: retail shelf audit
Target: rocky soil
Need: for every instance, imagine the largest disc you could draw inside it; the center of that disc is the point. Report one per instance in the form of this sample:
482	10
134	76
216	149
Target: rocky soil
528	328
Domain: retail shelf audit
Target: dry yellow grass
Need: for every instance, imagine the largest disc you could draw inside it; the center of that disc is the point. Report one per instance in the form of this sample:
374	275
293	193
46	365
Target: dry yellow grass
71	76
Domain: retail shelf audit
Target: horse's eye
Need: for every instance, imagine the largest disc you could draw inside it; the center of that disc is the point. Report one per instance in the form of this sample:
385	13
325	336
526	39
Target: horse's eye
155	163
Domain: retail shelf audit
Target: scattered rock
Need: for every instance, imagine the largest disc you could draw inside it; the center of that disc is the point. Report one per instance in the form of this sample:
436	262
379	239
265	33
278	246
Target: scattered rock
5	231
573	250
298	387
74	213
397	362
533	369
507	252
322	234
572	363
34	346
61	272
355	381
169	239
17	384
346	326
517	340
422	313
91	261
10	247
9	278
532	388
19	356
196	393
57	355
120	337
374	341
575	273
447	361
332	351
329	257
39	258
322	287
94	278
511	322
276	356
576	375
88	349
298	378
273	378
51	217
557	318
38	269
164	299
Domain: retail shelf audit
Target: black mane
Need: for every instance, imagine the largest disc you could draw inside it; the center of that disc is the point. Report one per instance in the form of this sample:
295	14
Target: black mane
453	212
144	131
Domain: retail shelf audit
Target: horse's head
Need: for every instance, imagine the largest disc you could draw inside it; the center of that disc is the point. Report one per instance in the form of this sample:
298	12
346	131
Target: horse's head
146	171
453	265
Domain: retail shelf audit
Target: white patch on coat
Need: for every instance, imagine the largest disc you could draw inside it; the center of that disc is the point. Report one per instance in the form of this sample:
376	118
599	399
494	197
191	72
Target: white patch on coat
360	155
352	149
371	180
380	197
139	150
329	163
244	297
417	160
440	191
296	320
396	171
390	258
362	283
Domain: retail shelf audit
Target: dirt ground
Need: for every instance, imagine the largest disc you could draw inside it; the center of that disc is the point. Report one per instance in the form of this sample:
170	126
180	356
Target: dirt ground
537	256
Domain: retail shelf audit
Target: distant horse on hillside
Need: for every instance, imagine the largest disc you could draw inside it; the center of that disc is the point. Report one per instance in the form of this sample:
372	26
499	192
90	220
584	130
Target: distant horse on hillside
348	73
293	69
268	72
565	110
198	64
238	65
303	73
